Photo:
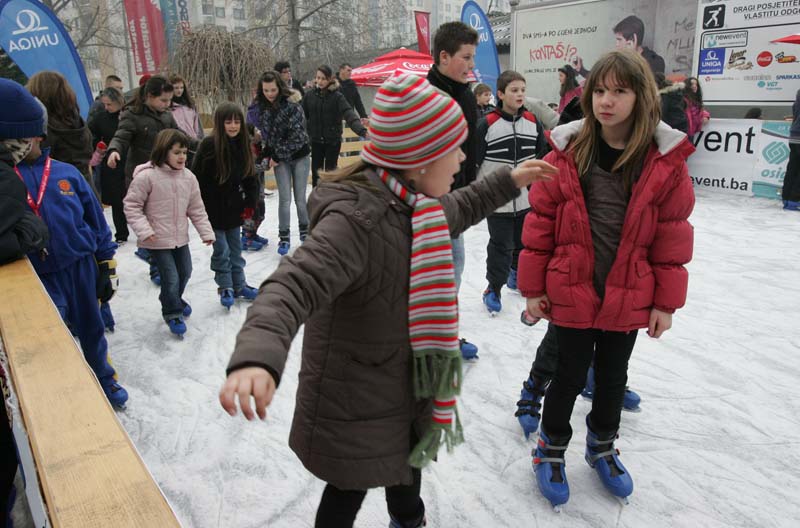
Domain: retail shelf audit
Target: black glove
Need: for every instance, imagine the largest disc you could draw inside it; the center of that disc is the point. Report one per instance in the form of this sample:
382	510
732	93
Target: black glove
32	233
107	280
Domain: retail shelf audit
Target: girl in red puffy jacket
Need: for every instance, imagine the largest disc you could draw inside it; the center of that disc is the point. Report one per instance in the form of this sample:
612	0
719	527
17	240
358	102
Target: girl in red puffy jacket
605	247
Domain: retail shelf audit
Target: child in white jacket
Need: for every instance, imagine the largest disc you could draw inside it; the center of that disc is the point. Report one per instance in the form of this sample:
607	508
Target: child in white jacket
162	197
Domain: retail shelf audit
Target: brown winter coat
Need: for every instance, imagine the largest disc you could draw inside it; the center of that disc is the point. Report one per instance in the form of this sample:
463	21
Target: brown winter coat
348	283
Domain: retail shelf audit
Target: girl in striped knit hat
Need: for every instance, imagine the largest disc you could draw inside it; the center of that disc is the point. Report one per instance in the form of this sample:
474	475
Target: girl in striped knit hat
374	286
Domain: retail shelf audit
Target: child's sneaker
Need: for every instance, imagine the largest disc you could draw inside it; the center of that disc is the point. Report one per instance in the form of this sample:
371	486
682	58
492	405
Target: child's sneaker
283	247
226	297
177	327
248	293
116	395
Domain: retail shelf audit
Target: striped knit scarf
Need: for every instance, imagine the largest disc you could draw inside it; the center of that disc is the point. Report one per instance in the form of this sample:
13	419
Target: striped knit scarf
432	321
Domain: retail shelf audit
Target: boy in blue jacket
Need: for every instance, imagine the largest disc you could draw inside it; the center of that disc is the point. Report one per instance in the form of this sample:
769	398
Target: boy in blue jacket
80	267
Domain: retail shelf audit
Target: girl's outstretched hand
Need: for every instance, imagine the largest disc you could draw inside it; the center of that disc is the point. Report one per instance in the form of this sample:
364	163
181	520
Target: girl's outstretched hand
250	381
531	171
660	322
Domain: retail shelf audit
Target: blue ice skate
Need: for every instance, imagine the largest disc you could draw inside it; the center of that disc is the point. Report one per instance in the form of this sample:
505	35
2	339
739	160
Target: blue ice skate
551	475
143	254
177	327
468	350
116	395
604	458
790	205
630	403
251	244
283	247
261	240
491	299
247	293
226	297
187	309
511	283
529	405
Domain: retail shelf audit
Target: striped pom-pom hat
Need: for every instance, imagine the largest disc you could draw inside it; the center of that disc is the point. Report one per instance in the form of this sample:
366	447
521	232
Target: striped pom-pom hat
412	124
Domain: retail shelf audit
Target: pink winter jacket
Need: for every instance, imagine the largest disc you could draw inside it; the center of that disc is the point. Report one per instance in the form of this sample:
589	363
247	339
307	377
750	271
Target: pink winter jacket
160	201
188	120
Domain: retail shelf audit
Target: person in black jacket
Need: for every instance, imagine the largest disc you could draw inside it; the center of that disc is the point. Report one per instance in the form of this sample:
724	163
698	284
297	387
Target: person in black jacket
350	91
227	177
21	119
673	105
103	125
285	70
454	46
325	107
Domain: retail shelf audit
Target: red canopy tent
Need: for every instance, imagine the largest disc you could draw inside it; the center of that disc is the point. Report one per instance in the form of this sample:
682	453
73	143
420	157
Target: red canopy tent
405	60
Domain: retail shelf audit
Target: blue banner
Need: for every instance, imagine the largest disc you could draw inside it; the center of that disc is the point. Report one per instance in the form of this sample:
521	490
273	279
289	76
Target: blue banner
35	40
487	66
169	12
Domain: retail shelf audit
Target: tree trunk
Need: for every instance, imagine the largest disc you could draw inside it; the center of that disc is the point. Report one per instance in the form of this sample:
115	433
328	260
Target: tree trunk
294	33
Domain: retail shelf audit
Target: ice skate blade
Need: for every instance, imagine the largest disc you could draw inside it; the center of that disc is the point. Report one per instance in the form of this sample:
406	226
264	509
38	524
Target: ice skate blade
624	501
633	410
557	508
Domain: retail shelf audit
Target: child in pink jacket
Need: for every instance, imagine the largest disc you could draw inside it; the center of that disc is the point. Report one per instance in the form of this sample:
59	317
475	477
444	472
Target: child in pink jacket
163	195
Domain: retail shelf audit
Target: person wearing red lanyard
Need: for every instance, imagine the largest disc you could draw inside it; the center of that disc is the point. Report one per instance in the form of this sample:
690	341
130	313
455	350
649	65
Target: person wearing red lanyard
81	253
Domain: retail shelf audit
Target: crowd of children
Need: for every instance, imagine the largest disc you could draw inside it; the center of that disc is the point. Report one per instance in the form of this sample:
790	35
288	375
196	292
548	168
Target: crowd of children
595	241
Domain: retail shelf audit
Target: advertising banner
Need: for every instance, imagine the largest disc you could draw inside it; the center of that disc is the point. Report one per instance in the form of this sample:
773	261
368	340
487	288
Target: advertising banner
34	38
423	22
738	62
742	156
578	33
146	31
172	24
487	66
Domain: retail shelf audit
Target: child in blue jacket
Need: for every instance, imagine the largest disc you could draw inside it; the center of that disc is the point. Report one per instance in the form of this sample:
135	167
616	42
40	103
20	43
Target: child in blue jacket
80	266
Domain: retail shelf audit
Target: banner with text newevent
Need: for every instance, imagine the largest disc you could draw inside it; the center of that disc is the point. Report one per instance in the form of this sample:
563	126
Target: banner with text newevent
743	156
35	40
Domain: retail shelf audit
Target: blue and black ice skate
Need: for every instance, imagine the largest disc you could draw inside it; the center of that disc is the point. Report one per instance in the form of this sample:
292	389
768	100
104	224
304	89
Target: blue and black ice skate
630	403
551	475
604	458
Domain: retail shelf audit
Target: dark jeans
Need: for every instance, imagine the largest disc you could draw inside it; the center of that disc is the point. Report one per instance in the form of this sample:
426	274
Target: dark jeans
338	508
226	261
324	156
576	347
791	182
175	267
505	244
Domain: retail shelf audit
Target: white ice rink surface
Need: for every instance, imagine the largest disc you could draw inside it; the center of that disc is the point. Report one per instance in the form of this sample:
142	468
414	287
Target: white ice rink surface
717	443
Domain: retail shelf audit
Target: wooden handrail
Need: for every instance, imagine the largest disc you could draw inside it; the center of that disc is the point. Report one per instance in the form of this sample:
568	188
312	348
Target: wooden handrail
89	470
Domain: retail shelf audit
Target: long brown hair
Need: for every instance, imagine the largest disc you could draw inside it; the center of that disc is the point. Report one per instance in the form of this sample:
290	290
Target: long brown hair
185	99
628	69
222	144
283	90
55	93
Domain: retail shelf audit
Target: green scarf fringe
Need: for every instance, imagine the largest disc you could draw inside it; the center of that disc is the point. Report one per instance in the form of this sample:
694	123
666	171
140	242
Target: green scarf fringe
427	448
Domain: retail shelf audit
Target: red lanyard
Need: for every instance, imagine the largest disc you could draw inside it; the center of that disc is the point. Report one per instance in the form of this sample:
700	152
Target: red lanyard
42	187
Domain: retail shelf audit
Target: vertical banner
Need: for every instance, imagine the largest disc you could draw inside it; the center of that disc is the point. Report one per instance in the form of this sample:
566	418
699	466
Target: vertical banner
146	31
741	58
487	66
423	21
34	38
172	25
183	15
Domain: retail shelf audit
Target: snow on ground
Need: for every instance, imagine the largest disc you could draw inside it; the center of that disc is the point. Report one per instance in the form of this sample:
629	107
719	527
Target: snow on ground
717	442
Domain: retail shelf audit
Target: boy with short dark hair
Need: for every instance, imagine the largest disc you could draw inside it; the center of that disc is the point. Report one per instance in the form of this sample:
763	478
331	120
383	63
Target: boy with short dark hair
509	135
483	94
454	46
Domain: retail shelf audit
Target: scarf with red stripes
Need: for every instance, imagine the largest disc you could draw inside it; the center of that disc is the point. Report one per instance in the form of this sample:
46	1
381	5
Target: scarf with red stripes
432	320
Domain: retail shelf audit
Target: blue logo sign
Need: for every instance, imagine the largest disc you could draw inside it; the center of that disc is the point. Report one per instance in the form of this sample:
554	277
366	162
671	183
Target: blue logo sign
712	61
776	153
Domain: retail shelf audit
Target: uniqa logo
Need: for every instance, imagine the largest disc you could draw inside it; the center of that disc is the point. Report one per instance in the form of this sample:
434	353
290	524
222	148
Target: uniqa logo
29	22
34	23
776	153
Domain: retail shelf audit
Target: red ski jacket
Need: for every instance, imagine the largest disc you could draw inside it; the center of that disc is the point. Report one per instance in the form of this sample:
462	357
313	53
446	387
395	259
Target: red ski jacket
655	243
